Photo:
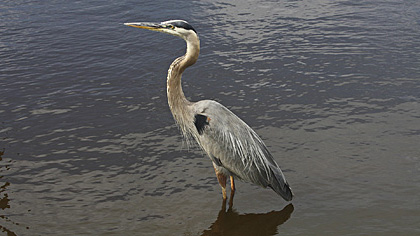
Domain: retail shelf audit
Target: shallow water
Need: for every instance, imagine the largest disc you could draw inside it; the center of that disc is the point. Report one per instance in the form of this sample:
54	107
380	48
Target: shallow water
89	146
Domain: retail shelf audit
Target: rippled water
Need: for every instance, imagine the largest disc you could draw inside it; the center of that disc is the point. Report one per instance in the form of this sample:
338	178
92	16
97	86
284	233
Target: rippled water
88	145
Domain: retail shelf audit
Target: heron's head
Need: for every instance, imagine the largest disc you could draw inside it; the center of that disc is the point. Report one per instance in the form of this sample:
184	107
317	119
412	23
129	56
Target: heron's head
178	28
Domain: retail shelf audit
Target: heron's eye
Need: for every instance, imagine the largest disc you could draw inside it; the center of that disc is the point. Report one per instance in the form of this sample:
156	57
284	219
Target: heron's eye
170	27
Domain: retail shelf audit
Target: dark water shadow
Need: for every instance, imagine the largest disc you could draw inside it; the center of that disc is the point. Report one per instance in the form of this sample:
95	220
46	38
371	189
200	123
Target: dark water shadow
231	223
4	200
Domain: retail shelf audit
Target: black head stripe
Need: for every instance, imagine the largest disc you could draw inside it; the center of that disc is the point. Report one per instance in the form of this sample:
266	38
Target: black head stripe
183	24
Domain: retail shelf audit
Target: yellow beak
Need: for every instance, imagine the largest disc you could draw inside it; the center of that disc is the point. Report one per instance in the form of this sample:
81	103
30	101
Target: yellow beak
145	25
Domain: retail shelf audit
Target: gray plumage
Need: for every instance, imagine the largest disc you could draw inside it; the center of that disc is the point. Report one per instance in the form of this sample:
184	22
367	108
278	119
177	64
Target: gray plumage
234	148
237	150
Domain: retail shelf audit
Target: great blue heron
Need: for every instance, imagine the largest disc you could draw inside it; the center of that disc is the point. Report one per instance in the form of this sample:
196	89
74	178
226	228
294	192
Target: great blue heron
234	148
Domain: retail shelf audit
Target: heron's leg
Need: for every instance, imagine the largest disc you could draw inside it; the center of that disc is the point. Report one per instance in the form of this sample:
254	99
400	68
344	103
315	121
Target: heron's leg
222	181
232	191
232	184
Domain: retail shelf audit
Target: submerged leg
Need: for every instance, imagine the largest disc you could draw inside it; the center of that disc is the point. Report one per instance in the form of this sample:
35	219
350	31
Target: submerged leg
222	181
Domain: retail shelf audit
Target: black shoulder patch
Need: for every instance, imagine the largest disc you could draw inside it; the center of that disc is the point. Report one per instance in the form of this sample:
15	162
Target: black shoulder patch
200	123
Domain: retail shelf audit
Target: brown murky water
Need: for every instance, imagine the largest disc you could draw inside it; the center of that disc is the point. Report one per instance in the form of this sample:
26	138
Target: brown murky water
89	147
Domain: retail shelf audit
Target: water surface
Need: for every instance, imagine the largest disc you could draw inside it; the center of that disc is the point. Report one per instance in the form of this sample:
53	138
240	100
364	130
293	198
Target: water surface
89	147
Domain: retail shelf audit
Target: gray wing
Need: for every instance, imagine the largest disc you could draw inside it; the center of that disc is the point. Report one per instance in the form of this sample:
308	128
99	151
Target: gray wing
231	143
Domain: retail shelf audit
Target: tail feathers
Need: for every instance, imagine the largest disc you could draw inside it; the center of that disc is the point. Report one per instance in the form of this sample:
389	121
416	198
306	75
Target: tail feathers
285	192
280	185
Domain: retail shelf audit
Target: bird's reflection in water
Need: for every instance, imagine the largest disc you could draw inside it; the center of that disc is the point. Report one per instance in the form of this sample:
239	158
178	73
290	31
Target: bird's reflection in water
230	223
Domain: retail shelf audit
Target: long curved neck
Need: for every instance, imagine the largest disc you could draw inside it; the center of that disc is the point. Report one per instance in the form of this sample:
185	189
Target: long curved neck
176	98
